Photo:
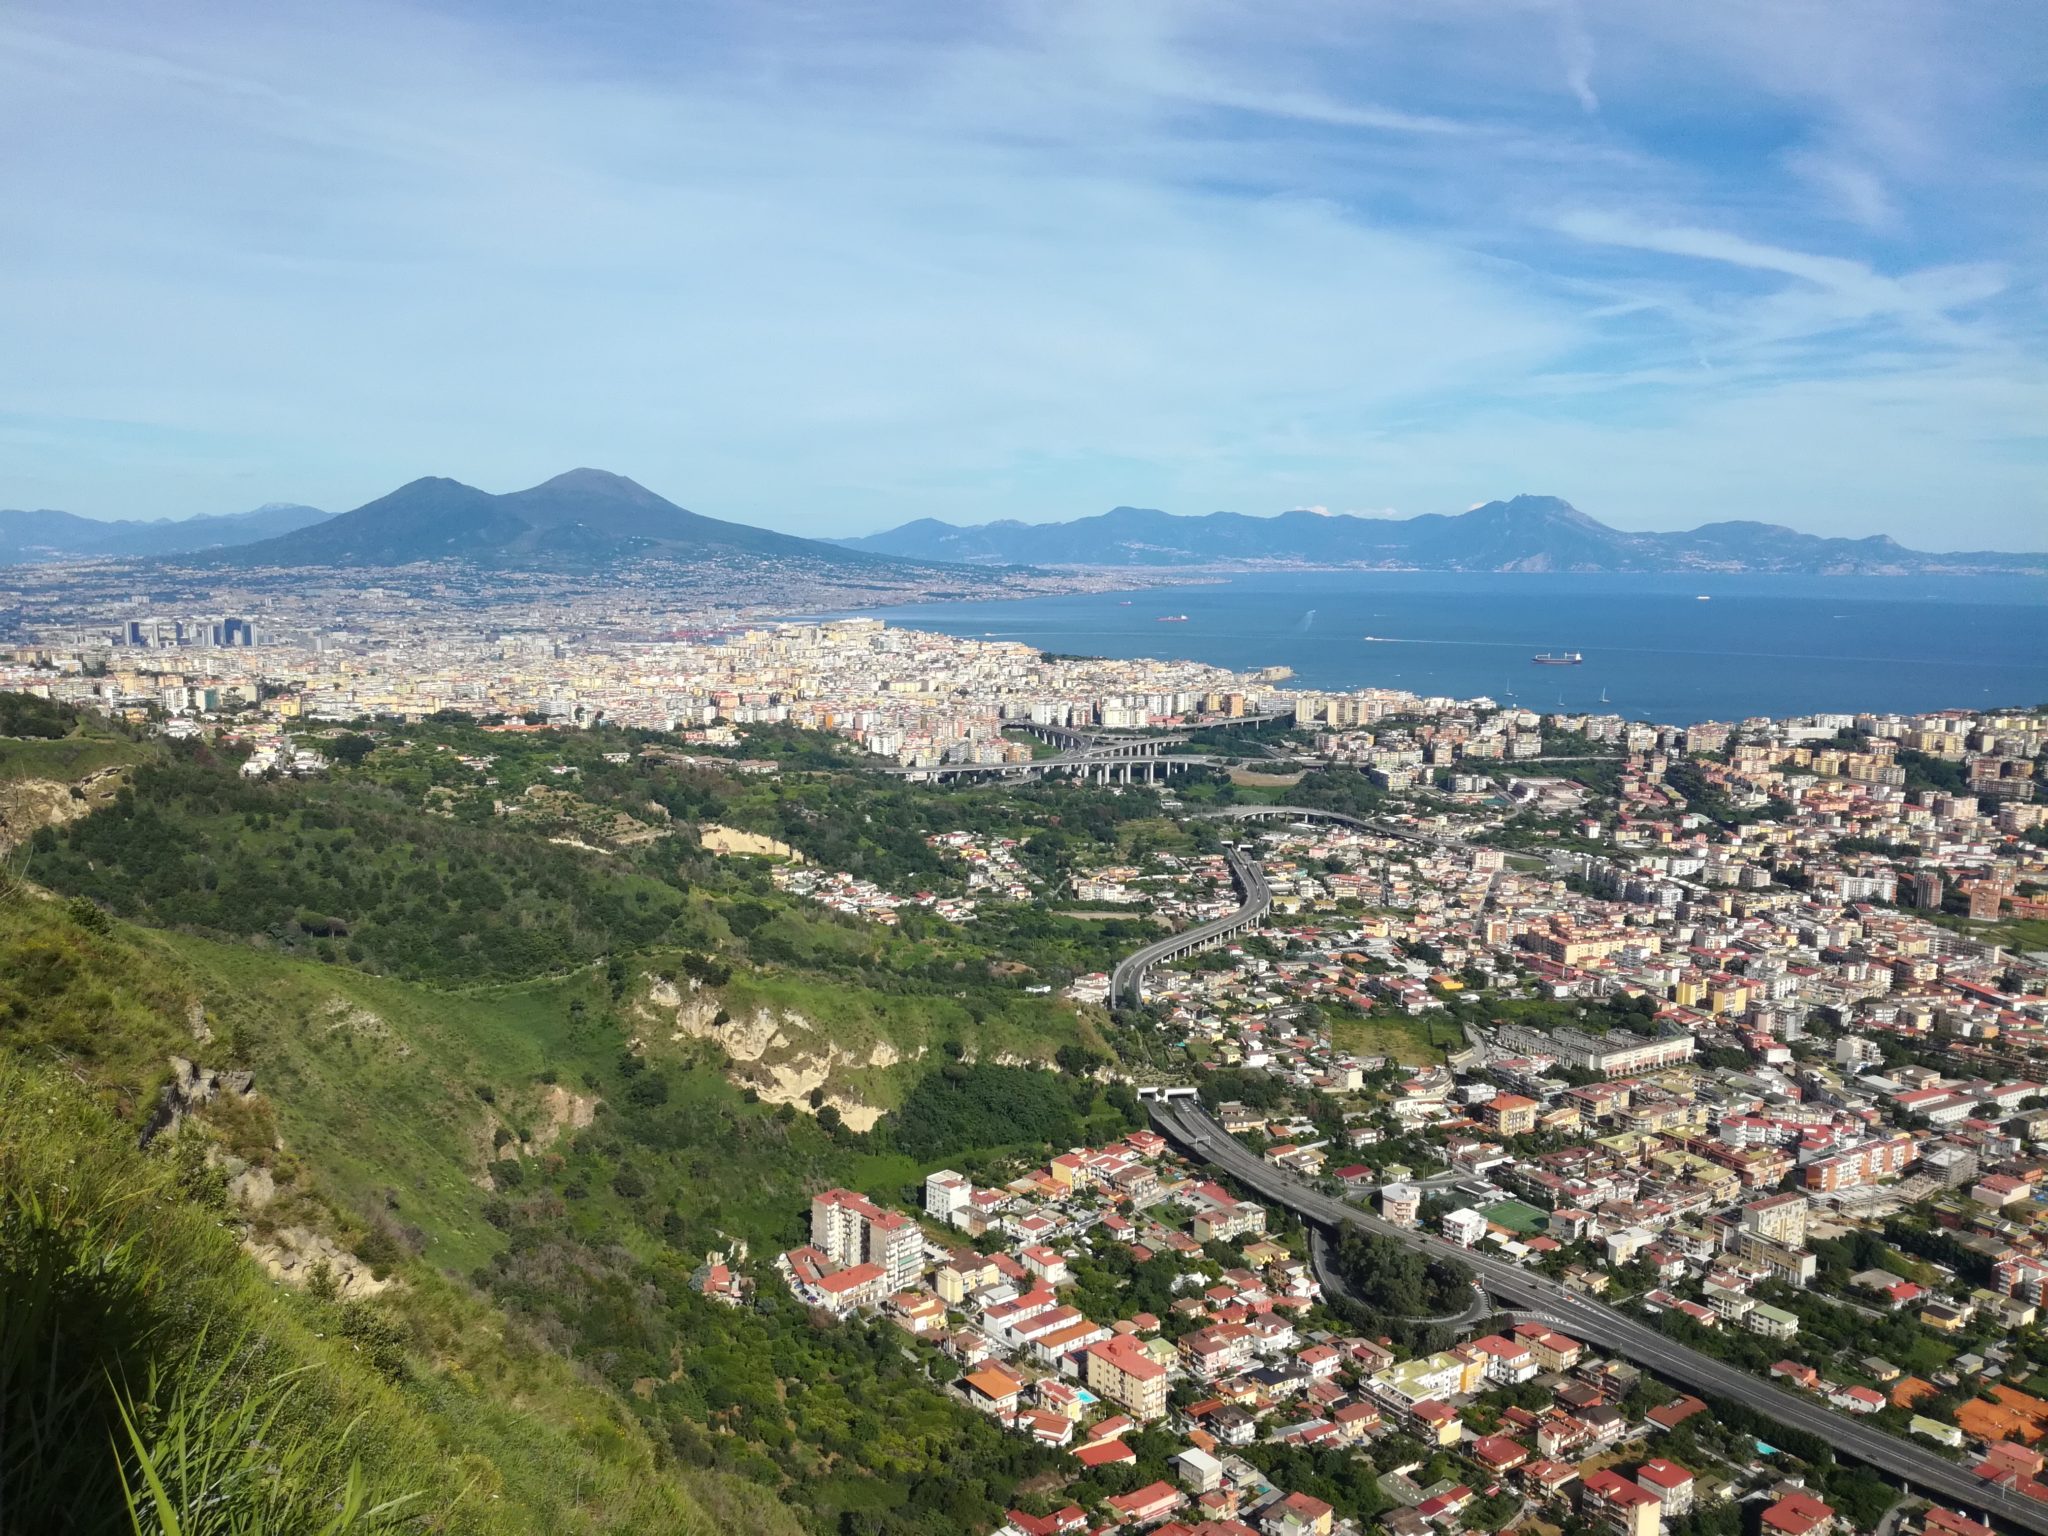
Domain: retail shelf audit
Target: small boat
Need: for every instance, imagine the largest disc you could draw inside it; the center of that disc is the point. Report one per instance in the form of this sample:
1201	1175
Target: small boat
1703	598
1171	618
1560	659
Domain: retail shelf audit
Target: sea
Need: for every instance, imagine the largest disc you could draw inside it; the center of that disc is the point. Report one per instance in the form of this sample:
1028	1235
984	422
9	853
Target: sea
1670	649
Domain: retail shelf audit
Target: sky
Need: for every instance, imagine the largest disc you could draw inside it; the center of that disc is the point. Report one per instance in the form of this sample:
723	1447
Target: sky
828	267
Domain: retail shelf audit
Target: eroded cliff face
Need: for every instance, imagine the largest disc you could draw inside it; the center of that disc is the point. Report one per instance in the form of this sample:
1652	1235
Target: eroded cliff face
29	805
297	1256
257	1185
780	1054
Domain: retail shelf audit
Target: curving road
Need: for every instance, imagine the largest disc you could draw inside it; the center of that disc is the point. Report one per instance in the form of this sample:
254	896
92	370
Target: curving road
1323	1262
1127	981
1584	1318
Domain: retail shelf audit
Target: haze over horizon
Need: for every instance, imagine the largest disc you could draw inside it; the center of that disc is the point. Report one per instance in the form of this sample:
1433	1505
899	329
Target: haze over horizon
828	271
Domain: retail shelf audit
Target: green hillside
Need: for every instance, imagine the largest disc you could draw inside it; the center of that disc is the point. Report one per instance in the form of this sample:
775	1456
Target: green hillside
121	1278
489	1152
43	739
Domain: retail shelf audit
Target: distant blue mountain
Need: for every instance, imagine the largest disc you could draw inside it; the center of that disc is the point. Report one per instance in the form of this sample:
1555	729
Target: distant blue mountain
29	537
1527	533
581	520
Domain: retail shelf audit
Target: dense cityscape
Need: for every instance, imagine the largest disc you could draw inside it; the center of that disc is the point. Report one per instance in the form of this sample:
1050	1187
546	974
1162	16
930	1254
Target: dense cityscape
1736	1029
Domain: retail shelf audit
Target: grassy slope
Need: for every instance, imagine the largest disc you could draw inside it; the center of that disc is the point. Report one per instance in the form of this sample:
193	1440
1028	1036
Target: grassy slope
539	1447
1404	1038
376	1081
67	757
77	743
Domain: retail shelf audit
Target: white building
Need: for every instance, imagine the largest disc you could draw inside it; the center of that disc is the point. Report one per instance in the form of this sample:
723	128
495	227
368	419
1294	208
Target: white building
1464	1227
946	1192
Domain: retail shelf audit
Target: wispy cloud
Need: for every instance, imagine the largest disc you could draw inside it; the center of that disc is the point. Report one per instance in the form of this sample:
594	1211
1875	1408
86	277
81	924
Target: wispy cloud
1855	191
1576	44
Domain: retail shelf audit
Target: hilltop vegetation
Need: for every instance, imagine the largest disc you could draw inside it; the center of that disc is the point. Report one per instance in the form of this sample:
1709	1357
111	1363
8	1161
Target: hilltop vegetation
24	714
455	856
347	870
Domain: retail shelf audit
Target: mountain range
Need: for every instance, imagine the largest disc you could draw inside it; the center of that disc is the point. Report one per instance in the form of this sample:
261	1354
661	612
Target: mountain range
1527	533
589	519
584	519
29	537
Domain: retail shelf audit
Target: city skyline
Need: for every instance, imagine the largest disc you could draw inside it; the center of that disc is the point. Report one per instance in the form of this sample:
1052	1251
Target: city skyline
826	273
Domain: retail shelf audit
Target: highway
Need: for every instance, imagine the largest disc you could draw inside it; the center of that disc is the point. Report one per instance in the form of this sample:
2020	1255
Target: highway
1091	762
1313	813
1595	1323
1126	982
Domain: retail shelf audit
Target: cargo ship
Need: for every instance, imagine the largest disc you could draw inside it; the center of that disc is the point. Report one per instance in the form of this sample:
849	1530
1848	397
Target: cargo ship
1561	659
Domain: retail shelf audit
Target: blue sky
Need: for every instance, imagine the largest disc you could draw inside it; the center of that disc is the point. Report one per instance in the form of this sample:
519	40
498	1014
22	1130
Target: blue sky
828	267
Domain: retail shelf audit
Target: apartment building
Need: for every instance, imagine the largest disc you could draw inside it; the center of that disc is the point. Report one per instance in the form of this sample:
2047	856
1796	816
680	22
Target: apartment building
850	1229
1218	1351
1613	1503
945	1193
1121	1371
1510	1114
1669	1483
1617	1053
2023	1275
1870	1163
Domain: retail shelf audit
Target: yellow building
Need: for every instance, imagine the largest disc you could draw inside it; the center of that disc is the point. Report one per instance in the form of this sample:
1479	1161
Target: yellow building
1728	998
962	1275
1121	1371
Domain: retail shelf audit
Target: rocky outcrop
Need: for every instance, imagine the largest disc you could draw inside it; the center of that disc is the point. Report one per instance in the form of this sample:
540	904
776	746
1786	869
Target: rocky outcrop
780	1054
564	1111
250	1185
718	839
294	1255
29	805
191	1087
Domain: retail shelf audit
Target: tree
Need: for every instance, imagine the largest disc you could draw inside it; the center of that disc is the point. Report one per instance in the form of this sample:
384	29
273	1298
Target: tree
350	748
